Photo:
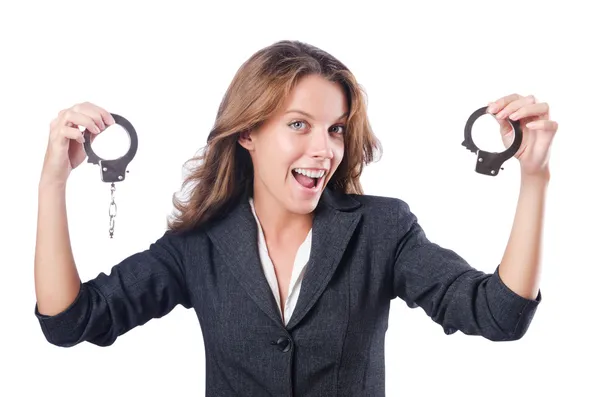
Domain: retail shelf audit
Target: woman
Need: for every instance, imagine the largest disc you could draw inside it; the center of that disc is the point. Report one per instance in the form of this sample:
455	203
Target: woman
289	267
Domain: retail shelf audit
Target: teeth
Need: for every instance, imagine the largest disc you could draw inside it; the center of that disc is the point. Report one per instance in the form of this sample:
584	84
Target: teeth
310	173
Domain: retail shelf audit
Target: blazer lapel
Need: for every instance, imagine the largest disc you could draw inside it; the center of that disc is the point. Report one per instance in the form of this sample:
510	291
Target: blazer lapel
333	226
236	238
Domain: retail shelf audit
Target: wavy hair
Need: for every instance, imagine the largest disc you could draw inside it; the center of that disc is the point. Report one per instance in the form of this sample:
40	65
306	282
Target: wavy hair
222	170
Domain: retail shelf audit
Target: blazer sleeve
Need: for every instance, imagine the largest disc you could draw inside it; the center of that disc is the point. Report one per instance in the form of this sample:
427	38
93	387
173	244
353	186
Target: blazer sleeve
146	285
453	293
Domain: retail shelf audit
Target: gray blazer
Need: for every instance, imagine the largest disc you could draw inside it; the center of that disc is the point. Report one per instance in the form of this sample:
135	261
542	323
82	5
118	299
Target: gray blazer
366	251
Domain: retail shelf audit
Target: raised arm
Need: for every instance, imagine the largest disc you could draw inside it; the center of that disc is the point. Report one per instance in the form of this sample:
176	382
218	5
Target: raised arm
146	285
458	296
498	306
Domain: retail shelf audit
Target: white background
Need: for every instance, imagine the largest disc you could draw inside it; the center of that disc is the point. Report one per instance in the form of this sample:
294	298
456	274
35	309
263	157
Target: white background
425	67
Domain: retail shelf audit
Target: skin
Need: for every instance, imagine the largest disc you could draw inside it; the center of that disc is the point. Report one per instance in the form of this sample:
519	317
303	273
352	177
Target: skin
56	277
520	267
308	133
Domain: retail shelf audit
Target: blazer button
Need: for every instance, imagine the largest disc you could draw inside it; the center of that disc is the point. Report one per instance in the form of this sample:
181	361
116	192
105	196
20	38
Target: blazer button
284	344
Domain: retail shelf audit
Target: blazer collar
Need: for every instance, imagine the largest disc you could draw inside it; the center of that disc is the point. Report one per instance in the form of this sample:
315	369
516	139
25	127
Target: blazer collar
236	238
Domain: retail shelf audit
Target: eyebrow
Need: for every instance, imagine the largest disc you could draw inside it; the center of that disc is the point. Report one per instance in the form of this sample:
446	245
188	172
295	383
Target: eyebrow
310	116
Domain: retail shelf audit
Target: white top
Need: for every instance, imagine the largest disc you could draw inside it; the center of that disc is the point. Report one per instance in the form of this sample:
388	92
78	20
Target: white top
298	270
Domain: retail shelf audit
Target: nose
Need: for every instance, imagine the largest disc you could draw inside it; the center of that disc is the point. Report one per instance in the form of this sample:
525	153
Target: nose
320	144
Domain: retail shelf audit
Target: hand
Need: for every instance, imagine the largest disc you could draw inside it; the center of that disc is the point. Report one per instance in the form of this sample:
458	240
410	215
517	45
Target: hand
65	144
538	130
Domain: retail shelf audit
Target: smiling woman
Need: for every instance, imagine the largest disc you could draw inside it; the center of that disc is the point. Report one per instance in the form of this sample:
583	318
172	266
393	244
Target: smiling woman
288	266
290	106
297	151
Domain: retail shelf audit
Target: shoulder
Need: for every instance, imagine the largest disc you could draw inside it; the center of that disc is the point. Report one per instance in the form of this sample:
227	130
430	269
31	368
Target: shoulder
380	204
389	213
394	209
372	204
181	243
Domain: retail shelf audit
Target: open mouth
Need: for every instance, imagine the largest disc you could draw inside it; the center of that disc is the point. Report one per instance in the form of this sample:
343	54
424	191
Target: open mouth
307	178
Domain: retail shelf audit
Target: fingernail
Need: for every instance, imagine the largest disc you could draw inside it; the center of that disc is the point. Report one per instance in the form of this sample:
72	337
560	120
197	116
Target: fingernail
501	115
96	129
492	108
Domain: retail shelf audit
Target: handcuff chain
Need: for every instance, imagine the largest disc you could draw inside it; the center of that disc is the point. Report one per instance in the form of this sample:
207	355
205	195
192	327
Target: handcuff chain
112	210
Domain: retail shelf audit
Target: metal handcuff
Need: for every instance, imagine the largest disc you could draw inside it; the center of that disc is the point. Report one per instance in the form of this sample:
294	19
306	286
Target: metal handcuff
490	163
112	171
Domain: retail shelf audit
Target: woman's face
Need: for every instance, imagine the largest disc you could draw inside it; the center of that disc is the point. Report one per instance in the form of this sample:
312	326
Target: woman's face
297	151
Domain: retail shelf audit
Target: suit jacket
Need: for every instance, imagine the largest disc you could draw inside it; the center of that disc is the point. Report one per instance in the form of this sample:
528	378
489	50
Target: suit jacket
366	251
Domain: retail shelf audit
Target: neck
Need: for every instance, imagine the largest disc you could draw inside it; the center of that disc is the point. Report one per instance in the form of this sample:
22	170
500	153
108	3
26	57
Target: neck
279	224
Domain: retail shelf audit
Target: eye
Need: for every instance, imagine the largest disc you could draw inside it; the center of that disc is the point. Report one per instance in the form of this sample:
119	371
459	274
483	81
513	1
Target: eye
339	129
297	125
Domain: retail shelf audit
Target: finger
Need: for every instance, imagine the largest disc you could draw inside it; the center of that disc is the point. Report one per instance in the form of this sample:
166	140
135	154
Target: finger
548	125
104	114
70	133
101	117
92	137
536	109
76	118
505	127
506	134
499	104
515	105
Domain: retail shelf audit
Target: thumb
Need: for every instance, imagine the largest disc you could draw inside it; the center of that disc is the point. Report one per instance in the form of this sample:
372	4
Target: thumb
506	132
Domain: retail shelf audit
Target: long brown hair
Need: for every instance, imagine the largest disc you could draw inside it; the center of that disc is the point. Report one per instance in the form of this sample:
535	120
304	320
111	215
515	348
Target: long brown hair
223	168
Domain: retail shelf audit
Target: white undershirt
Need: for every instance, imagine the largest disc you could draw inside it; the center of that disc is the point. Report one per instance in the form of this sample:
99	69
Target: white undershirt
298	270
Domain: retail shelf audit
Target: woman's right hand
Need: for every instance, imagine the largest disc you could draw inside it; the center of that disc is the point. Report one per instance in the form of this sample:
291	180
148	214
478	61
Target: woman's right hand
65	144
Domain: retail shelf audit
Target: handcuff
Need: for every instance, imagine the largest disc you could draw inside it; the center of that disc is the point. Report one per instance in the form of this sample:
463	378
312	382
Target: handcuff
114	170
490	163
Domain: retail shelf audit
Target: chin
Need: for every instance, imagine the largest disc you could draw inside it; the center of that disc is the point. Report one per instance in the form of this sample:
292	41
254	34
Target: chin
303	207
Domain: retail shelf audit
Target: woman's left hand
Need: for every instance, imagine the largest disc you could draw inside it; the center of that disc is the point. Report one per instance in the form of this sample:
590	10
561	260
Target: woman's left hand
538	130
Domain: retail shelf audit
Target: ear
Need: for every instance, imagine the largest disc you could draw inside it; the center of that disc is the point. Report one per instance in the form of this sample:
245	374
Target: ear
245	140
